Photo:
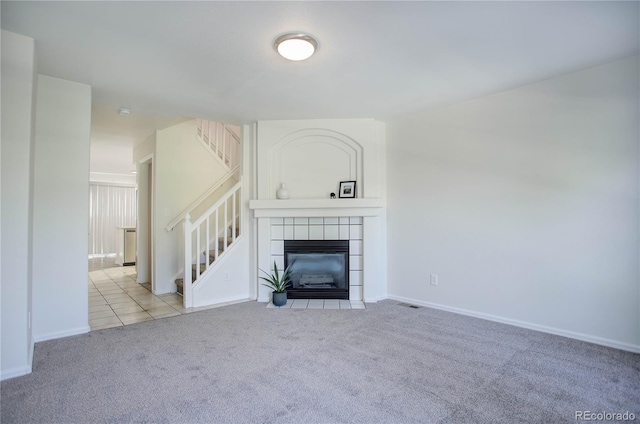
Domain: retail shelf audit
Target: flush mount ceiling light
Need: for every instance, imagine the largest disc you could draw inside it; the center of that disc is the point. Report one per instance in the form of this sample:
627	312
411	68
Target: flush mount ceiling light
125	112
295	46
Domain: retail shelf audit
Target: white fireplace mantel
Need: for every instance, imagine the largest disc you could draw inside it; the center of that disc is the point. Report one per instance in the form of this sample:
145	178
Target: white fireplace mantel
316	207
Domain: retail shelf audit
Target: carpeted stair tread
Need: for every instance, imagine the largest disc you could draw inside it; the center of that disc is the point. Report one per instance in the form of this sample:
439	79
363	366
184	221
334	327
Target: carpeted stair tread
212	257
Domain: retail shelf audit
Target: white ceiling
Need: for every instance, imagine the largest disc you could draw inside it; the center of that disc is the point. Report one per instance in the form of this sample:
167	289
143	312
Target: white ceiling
113	137
375	59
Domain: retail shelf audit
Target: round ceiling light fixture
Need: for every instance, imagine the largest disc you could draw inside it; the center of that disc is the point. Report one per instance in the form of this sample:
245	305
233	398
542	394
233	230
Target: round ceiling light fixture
125	112
295	46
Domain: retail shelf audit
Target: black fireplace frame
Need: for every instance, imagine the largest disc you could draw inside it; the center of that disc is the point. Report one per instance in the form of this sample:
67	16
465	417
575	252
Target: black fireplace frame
318	246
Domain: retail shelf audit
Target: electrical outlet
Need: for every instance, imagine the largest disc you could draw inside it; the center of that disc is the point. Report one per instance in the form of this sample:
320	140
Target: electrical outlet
434	279
227	276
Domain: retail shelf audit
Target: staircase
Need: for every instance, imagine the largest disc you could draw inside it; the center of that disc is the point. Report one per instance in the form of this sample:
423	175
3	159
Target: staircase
215	233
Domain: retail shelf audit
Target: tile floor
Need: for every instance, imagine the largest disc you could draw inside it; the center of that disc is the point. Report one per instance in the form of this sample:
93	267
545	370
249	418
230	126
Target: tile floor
115	299
319	304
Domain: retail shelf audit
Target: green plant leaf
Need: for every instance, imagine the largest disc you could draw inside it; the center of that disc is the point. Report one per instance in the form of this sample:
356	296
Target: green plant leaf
276	281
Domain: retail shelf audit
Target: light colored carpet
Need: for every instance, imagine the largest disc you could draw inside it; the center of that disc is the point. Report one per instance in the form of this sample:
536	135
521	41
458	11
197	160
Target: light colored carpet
386	364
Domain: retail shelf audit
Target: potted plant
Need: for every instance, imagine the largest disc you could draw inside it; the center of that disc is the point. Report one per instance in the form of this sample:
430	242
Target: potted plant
278	283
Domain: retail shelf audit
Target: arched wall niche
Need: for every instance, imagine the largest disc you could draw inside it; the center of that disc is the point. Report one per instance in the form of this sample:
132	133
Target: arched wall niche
312	162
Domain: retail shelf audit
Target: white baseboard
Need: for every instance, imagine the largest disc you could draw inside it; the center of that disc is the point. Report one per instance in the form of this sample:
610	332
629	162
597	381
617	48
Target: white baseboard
61	334
20	371
15	372
31	348
531	326
226	302
374	299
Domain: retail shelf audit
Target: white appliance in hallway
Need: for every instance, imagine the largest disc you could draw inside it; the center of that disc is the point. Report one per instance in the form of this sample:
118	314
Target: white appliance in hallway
125	246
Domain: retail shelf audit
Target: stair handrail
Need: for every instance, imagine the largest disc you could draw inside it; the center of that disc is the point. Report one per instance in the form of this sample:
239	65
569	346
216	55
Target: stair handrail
217	204
171	225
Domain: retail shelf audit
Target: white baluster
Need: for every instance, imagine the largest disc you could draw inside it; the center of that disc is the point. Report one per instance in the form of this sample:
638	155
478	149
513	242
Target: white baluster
226	223
208	240
213	138
198	244
217	130
186	286
241	209
233	217
224	145
217	233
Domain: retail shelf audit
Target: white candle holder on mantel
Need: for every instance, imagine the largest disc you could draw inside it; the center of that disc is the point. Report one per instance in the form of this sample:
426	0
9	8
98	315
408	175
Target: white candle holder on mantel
282	192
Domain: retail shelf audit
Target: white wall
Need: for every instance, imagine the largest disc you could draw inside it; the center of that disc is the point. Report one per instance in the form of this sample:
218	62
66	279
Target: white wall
230	282
184	170
143	156
61	208
18	89
526	204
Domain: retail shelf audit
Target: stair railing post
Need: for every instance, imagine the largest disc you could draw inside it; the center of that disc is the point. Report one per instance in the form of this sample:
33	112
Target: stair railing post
187	294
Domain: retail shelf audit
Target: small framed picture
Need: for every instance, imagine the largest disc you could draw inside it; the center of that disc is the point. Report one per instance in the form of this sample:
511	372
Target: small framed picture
347	189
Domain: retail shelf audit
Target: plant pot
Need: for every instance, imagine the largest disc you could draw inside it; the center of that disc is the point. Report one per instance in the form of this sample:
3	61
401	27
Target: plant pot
279	299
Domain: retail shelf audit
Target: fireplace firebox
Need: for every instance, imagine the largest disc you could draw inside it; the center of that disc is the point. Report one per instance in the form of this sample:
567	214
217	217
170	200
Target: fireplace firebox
319	268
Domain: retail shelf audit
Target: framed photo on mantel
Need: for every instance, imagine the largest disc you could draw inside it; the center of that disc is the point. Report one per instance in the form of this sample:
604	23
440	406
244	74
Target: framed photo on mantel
347	189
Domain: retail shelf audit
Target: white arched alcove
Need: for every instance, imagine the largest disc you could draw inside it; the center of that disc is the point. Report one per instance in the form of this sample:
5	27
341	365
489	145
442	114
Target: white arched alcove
312	162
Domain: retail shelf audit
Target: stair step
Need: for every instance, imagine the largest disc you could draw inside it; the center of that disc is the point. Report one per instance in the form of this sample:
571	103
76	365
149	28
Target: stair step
221	247
212	257
203	267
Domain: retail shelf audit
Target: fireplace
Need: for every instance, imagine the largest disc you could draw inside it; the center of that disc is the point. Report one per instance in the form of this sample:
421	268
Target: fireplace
319	268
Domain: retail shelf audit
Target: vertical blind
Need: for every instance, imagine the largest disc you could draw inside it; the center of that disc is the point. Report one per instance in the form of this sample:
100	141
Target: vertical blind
109	207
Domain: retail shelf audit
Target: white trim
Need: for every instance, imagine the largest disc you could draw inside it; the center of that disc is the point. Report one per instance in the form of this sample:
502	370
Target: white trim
542	328
20	371
374	299
115	184
316	208
145	158
30	358
15	372
227	301
61	334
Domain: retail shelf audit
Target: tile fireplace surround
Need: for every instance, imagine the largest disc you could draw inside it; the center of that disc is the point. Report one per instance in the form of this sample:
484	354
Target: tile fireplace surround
356	220
328	228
